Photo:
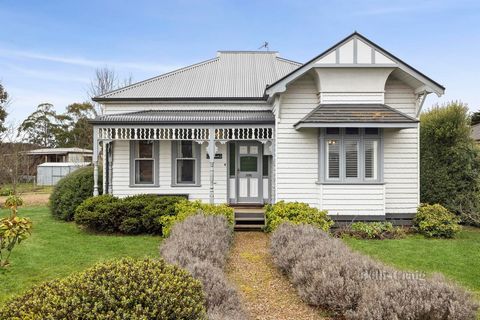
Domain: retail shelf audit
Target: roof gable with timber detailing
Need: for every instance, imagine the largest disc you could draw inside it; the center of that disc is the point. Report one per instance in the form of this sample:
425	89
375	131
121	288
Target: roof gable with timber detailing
356	51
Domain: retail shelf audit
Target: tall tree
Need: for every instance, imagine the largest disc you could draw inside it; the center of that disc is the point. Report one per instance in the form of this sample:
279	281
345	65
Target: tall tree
450	161
3	108
43	126
105	80
80	131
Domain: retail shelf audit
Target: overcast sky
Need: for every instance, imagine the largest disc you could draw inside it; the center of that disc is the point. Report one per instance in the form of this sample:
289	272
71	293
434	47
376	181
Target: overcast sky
50	49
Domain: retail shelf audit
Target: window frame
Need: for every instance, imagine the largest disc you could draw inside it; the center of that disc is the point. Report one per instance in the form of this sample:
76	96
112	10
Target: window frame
342	137
196	156
133	159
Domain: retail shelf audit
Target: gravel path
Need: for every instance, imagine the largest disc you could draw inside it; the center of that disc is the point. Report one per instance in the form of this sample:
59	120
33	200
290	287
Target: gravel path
267	293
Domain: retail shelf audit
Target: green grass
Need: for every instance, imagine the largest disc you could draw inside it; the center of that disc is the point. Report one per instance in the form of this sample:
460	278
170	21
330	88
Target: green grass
24	188
57	248
458	259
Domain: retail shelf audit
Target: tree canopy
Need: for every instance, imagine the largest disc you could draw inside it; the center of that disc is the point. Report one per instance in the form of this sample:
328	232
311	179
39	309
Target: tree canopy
3	111
449	161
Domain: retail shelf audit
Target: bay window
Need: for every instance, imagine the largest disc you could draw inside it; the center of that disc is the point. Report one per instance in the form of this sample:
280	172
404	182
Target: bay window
350	155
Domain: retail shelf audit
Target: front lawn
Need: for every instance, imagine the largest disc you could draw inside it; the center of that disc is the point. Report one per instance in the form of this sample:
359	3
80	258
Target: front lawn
56	249
457	259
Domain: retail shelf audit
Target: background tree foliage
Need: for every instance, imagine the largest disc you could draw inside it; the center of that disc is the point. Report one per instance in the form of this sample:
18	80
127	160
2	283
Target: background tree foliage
449	161
475	119
3	107
43	126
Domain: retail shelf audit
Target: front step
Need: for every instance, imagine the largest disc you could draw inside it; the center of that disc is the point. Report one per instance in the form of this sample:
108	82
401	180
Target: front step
249	218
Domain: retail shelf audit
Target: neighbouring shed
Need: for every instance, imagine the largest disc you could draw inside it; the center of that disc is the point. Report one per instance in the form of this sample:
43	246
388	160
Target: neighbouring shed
49	173
60	155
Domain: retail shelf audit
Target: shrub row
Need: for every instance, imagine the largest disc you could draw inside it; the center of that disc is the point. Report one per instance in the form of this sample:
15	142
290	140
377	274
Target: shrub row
131	215
371	230
326	273
296	213
201	244
122	289
71	191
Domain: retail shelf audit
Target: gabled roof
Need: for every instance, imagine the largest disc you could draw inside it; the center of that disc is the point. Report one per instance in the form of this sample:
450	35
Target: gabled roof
181	117
232	75
345	115
329	58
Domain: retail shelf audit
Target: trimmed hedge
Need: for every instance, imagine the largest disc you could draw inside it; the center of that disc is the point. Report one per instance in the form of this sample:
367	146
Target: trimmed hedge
436	221
201	244
296	213
71	191
131	215
123	289
328	274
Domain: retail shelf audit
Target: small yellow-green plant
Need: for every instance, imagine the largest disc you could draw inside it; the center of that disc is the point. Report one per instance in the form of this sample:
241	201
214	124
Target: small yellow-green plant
13	229
436	221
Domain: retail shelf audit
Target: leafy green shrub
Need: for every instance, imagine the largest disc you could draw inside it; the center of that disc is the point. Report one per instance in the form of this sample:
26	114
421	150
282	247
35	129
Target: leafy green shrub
296	213
71	191
131	215
13	230
371	230
123	289
185	209
436	221
450	161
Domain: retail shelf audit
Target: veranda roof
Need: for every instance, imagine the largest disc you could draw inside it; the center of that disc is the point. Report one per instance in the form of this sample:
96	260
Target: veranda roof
178	117
356	115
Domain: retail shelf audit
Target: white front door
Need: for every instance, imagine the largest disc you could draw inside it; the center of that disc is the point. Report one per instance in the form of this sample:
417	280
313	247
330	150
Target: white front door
249	174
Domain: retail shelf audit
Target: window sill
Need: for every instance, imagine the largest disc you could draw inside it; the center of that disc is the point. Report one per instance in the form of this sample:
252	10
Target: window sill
350	183
144	185
185	185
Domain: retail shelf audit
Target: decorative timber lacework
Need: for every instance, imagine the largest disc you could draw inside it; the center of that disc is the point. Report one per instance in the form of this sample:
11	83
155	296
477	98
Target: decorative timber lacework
198	134
244	134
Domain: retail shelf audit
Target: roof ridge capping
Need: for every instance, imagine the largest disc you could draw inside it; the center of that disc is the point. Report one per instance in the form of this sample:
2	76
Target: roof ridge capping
281	83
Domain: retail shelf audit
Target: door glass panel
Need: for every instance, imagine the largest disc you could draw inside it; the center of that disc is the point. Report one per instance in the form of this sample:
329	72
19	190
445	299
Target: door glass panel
265	169
248	164
253	150
243	150
231	168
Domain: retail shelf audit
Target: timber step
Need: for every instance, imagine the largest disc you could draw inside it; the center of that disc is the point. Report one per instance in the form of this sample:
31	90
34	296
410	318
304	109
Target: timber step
249	218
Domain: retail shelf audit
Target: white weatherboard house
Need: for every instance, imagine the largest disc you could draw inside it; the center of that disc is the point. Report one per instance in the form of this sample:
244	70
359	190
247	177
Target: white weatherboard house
339	132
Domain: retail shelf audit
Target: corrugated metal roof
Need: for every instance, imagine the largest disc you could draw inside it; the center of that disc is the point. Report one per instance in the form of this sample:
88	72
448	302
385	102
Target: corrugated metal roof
187	117
44	151
232	74
356	113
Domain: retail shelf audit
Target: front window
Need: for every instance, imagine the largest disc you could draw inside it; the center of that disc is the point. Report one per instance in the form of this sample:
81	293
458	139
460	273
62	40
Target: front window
144	162
186	162
351	154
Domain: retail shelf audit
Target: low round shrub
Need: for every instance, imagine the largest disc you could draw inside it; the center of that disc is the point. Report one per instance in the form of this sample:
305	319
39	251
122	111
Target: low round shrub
296	213
71	191
122	289
102	213
436	221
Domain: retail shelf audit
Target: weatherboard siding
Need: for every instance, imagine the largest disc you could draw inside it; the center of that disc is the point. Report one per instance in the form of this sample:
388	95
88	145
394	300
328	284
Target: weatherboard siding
121	174
353	199
297	151
401	158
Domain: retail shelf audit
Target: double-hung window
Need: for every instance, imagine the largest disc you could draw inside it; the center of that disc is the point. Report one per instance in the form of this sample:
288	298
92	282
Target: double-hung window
144	163
350	155
186	163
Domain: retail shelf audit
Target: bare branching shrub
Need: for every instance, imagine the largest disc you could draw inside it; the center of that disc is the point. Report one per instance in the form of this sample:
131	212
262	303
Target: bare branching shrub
201	244
327	273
